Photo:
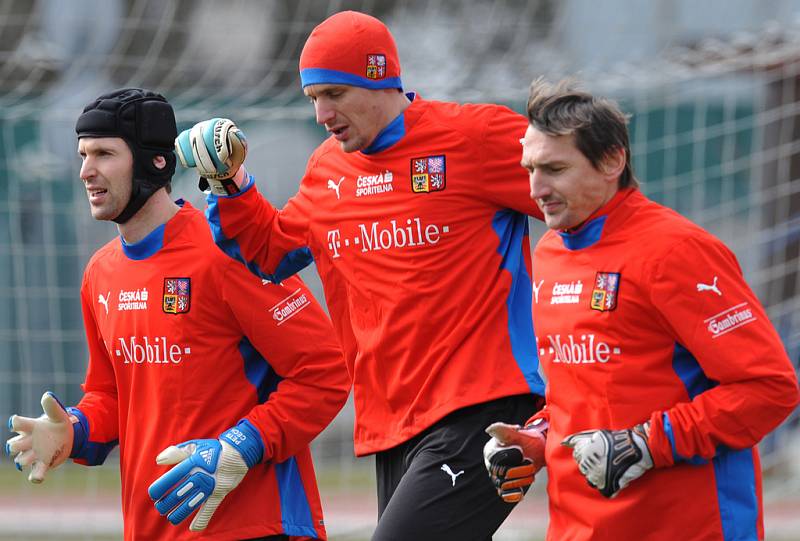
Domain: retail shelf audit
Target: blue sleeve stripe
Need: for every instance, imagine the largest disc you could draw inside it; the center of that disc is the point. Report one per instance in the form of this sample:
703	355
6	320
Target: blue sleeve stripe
94	453
690	372
696	382
735	476
289	264
512	229
734	470
696	460
295	509
258	371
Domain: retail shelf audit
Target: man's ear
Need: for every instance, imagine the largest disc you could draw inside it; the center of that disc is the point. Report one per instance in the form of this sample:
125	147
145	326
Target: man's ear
160	162
613	163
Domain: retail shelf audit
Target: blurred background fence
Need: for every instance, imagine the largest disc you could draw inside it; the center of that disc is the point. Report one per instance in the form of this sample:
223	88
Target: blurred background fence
713	88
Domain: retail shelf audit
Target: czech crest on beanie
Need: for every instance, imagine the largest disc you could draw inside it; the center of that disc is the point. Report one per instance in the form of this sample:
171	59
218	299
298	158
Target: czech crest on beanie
351	48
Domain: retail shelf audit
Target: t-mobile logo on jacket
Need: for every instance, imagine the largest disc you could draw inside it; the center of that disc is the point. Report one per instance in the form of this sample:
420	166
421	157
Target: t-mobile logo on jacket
585	349
150	350
376	236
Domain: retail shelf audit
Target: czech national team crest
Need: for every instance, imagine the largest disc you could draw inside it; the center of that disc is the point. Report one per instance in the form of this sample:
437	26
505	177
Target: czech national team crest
428	174
376	66
606	288
177	295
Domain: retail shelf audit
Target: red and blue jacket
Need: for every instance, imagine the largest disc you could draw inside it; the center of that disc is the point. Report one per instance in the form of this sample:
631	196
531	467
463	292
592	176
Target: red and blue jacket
421	242
183	344
642	315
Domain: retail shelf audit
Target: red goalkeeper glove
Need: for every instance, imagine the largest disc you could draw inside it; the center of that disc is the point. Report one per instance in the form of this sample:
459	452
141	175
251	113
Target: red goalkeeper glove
513	456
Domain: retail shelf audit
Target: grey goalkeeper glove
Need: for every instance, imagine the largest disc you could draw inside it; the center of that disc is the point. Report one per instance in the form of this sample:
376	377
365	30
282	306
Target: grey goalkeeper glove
513	456
611	459
217	149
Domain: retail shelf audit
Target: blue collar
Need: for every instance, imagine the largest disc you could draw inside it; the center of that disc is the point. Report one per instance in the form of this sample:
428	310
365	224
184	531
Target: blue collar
586	236
391	134
146	247
149	245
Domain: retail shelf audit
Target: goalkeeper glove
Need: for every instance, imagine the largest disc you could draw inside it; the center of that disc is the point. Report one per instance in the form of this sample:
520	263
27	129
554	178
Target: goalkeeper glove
43	443
206	471
217	148
611	459
513	456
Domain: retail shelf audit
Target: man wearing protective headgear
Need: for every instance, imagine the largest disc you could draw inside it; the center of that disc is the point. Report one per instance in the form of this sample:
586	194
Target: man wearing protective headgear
211	382
415	213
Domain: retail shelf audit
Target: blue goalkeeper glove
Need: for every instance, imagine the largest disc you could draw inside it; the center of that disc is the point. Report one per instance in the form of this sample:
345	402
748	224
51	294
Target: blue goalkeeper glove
206	471
611	459
217	149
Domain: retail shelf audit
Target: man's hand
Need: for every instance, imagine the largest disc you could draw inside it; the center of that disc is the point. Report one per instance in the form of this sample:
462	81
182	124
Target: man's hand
611	459
206	471
43	443
513	456
217	148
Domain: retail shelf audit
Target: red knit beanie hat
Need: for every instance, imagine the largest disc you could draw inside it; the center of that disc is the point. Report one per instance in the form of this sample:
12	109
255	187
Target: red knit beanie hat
351	48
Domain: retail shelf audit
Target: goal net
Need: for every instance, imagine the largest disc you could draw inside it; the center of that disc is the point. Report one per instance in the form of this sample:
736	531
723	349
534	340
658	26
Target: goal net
715	125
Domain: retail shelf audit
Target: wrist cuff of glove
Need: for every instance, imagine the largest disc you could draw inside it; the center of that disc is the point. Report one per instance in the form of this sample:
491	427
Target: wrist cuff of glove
248	183
85	451
80	433
226	185
247	440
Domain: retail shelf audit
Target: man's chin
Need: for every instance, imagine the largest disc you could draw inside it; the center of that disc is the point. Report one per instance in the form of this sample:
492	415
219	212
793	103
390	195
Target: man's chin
349	146
102	215
553	221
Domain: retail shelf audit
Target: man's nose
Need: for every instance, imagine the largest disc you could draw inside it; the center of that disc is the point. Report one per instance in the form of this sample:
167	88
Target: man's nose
539	186
324	113
87	169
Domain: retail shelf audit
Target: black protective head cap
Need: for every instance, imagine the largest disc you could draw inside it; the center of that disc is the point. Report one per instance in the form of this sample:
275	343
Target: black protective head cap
146	121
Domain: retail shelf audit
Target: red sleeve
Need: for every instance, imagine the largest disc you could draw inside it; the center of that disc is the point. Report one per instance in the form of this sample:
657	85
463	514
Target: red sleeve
749	386
291	331
505	182
272	243
99	403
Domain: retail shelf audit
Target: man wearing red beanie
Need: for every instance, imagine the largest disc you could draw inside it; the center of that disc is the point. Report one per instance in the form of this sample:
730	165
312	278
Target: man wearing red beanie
415	213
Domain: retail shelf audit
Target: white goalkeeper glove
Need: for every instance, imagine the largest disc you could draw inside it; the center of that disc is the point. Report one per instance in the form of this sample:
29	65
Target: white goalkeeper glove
43	443
513	456
206	471
611	459
217	149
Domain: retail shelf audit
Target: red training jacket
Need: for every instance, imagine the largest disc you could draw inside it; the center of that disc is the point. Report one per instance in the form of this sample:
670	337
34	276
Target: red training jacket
421	242
642	315
184	343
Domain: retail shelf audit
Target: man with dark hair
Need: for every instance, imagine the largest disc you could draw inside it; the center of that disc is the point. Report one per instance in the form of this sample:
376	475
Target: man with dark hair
415	214
663	370
184	343
597	130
